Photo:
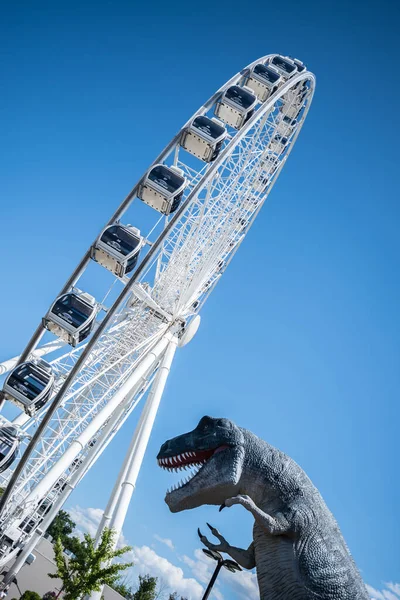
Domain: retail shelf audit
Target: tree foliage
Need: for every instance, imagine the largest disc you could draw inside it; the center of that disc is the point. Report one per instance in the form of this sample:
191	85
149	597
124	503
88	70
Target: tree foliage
28	595
147	589
61	527
90	567
123	589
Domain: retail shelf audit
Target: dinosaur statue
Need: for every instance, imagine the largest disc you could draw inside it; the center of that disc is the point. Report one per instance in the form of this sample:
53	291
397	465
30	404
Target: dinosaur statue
297	549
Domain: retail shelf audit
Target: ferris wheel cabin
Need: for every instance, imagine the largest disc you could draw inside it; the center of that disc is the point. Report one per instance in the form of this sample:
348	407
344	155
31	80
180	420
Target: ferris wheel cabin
118	248
236	106
9	443
300	65
28	523
263	81
72	317
290	110
163	188
204	138
278	144
296	94
30	385
285	125
251	203
285	67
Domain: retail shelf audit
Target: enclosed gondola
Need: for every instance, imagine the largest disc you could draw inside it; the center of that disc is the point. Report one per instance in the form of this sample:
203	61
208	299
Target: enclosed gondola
262	182
236	106
9	443
72	317
240	226
296	94
278	144
204	138
61	484
300	65
270	163
285	125
163	188
263	81
28	524
285	67
30	385
291	109
117	248
251	203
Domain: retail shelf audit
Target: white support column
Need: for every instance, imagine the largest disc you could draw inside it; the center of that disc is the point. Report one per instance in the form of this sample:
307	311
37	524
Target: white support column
117	507
93	455
84	438
108	513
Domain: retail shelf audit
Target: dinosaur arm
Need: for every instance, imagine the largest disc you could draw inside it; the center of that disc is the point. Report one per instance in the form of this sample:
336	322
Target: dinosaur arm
277	525
245	558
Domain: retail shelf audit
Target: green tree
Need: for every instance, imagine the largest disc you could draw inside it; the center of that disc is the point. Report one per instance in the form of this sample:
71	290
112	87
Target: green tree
174	596
147	589
61	527
123	589
90	567
28	595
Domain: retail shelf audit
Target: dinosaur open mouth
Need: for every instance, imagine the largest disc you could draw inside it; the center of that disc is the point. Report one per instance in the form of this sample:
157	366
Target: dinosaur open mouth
194	460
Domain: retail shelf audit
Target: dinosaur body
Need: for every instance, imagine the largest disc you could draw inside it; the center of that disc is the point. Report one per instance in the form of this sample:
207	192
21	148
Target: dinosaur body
297	549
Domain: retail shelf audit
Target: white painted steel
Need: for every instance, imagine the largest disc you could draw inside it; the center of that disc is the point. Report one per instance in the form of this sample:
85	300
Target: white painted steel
8	365
79	443
115	514
187	254
113	425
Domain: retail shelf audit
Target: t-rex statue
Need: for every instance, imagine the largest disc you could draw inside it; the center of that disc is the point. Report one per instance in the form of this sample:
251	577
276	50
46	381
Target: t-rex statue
297	549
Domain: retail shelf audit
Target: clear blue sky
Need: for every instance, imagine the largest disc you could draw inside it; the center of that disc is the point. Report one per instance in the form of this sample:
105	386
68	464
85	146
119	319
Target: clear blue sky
300	340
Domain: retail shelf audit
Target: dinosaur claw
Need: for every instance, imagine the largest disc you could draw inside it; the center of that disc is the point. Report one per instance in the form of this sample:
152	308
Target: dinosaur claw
199	533
221	507
210	526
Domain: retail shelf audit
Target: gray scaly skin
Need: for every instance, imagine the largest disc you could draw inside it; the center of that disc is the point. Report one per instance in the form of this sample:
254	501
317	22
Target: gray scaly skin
297	547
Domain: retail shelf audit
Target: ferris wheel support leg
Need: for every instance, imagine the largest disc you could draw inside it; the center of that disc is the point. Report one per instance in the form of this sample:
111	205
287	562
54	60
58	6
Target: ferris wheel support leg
108	513
62	498
98	421
117	508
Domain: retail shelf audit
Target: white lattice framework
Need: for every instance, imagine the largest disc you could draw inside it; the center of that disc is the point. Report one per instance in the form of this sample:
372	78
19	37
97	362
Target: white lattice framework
186	257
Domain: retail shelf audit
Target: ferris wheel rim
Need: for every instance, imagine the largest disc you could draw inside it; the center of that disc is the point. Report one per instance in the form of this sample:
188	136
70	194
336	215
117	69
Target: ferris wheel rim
204	180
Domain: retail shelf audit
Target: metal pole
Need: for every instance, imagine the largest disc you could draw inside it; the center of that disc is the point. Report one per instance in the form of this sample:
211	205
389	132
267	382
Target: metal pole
117	508
212	580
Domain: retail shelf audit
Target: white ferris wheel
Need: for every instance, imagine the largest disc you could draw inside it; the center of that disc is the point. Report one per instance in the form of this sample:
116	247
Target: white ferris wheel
197	200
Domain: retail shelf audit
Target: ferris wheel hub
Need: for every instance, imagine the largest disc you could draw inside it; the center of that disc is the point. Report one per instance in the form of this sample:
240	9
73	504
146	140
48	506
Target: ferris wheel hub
190	331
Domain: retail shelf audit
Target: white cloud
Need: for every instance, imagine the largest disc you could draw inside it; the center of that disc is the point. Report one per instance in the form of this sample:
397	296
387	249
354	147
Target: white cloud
242	585
146	560
165	541
86	519
391	592
394	587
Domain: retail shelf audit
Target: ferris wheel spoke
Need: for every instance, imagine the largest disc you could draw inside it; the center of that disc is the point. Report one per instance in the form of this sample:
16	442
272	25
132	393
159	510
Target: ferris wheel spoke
183	253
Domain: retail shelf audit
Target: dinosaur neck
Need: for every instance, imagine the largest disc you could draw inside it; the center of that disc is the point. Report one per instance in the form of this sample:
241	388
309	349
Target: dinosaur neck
269	476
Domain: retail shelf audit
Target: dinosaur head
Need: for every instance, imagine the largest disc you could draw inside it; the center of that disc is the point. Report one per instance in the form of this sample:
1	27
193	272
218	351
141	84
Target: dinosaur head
215	450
